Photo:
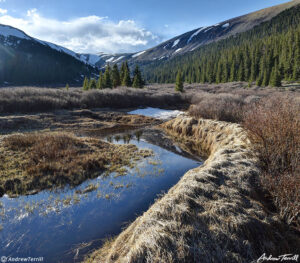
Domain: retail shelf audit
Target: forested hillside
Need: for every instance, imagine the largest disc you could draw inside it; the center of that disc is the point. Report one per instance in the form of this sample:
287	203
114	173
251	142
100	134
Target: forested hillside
267	54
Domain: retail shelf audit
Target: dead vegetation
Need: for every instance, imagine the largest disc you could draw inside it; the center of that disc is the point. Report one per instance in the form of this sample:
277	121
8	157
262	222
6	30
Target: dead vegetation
212	214
274	125
37	161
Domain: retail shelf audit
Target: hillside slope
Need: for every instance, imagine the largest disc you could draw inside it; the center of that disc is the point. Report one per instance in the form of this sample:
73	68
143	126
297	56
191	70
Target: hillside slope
26	60
205	35
196	38
269	50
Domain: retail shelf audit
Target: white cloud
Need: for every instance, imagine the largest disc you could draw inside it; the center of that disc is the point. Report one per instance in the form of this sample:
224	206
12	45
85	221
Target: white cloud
91	34
3	11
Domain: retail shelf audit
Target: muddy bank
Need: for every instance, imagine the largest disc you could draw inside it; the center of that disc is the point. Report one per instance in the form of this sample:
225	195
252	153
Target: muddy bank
212	214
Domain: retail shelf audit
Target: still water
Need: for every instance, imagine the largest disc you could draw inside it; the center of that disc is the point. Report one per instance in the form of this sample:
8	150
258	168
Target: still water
63	225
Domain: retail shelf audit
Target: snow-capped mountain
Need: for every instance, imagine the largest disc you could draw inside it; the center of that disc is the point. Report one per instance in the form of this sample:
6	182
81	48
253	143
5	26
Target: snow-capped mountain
26	60
204	35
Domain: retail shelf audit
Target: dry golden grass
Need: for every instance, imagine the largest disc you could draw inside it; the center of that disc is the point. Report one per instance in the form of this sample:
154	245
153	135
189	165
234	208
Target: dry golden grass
211	214
36	161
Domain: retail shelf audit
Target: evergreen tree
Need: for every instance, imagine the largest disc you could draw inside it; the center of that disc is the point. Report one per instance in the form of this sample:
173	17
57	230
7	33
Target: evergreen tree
93	84
67	86
137	78
275	80
266	78
126	79
179	82
116	76
85	85
122	72
259	81
100	82
107	78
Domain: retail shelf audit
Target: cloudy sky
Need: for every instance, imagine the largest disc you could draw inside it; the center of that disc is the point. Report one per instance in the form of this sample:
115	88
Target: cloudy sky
114	26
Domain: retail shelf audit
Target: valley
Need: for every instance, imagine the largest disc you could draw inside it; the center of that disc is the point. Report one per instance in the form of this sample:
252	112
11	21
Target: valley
158	150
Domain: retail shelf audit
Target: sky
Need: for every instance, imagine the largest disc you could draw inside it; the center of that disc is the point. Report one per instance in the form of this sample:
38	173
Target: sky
118	26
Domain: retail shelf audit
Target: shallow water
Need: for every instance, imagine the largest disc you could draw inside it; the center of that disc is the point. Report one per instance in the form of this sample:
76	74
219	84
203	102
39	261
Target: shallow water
65	224
157	113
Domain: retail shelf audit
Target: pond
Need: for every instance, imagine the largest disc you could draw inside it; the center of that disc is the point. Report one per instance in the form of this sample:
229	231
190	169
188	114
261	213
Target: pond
64	225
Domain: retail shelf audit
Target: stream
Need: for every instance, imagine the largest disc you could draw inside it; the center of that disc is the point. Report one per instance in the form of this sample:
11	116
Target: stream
64	225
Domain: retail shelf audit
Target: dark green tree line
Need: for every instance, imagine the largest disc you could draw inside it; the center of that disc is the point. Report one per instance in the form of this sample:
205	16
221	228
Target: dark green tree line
113	78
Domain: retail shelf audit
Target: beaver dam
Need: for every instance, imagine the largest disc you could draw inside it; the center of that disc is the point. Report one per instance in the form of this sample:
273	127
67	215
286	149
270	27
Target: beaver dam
65	193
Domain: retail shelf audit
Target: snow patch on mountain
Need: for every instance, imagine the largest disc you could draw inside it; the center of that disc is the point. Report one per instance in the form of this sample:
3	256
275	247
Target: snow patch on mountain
195	34
207	29
176	43
138	54
225	25
119	58
8	31
177	50
110	59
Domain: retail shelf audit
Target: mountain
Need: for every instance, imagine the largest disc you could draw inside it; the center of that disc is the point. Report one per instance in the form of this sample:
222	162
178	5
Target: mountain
267	54
204	35
26	60
196	38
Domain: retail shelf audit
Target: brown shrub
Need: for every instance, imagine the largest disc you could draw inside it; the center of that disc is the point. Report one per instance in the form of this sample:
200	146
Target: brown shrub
222	107
274	124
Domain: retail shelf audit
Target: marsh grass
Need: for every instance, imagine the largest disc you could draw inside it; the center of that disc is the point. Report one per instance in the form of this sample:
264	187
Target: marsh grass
37	161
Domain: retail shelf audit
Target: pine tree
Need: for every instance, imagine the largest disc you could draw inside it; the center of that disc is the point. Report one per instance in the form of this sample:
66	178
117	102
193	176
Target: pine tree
259	81
122	72
137	78
100	82
107	78
275	80
93	84
126	79
266	78
179	82
85	85
116	76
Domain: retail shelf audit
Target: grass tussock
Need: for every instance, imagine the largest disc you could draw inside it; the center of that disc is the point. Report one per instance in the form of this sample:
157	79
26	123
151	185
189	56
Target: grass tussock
36	161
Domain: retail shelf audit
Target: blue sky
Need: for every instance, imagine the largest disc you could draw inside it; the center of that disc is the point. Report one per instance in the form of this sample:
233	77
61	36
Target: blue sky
113	26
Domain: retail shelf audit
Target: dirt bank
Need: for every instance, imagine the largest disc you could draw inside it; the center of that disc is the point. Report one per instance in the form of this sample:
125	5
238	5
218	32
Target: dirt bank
212	214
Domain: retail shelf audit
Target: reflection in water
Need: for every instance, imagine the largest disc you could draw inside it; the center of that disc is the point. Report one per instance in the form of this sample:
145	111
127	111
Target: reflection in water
62	224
